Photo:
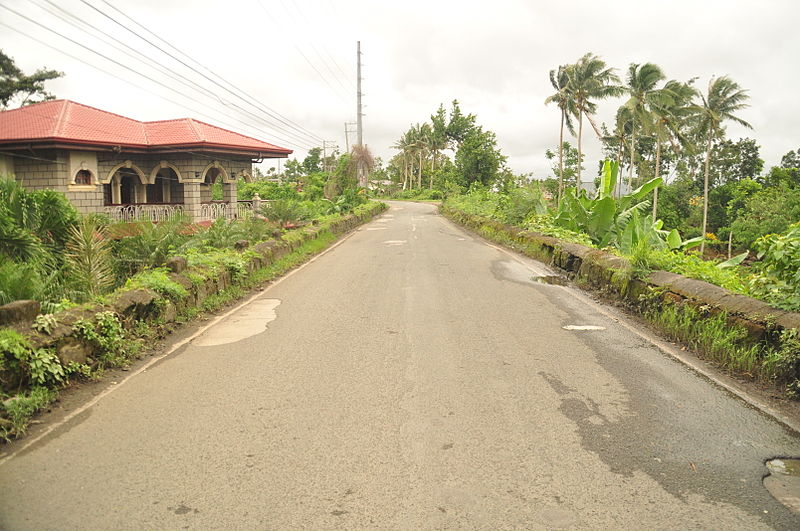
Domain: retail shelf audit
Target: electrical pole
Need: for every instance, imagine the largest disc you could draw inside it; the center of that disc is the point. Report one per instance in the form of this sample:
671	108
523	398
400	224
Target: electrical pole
359	114
325	145
347	130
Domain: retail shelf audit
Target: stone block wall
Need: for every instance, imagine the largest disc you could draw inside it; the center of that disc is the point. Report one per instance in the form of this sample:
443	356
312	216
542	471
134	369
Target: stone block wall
35	174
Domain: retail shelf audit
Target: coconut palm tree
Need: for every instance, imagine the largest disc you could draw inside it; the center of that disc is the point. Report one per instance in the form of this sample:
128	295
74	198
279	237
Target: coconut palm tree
589	79
563	100
723	99
640	84
670	114
405	144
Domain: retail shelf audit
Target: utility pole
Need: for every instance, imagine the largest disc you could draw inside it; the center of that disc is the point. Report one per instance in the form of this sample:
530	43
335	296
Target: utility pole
325	145
359	114
347	130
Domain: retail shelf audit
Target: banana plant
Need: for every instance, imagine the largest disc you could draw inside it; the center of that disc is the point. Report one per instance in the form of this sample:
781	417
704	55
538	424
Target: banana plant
609	221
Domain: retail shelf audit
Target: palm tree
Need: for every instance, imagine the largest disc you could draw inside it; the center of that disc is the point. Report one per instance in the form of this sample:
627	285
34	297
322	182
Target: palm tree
405	143
590	79
560	81
641	84
724	98
670	114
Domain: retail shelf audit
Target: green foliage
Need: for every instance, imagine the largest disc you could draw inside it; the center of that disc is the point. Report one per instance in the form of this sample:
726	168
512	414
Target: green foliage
158	280
268	190
19	281
478	159
88	259
148	244
19	409
284	212
14	83
521	202
216	261
713	335
779	268
692	266
609	221
45	368
45	323
107	337
21	365
768	211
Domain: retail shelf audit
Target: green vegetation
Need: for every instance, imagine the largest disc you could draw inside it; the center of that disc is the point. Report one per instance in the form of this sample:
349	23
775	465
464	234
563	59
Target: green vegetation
24	88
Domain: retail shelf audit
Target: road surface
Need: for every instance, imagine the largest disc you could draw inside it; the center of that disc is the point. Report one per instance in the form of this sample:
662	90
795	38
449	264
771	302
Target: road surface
414	377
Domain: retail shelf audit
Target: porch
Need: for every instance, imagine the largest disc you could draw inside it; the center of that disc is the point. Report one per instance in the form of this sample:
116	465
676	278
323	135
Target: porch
208	211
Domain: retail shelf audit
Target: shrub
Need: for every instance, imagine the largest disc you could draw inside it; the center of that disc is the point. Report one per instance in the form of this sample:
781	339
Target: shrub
157	280
147	244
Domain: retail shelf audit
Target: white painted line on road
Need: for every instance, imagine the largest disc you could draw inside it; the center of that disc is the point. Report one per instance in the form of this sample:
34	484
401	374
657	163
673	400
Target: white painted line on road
377	228
390	243
583	327
115	386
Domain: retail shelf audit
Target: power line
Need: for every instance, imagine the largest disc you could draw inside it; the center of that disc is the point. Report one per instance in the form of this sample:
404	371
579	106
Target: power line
173	75
126	28
193	110
118	64
269	112
313	47
303	55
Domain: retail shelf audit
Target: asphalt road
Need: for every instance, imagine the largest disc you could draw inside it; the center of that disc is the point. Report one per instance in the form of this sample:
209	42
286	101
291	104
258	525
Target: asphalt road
413	377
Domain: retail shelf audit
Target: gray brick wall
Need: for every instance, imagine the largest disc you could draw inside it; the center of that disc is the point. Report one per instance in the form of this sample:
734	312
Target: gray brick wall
36	174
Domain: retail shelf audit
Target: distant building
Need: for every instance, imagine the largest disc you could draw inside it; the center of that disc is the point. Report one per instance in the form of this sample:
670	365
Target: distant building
104	162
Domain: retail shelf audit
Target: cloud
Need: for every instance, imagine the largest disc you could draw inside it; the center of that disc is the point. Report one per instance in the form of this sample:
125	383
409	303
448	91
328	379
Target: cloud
298	58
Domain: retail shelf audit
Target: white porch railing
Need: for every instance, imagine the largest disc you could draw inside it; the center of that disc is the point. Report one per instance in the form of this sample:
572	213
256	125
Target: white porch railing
213	211
139	212
244	209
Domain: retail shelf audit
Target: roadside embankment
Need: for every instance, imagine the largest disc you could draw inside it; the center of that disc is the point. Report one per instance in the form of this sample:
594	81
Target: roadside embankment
41	354
742	334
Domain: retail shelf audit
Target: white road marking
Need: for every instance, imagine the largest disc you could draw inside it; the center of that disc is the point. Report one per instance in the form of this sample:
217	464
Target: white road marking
583	327
395	242
667	349
377	228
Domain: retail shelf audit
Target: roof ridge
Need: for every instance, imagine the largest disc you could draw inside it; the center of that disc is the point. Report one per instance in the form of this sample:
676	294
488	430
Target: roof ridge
200	137
60	121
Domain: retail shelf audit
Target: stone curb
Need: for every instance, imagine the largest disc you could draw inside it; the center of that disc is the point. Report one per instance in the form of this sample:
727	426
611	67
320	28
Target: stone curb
601	270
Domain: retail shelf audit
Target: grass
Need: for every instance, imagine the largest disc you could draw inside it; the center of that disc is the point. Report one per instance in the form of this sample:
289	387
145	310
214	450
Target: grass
712	335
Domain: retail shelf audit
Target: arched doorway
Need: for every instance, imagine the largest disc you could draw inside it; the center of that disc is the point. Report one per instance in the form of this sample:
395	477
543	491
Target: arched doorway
212	185
125	188
166	188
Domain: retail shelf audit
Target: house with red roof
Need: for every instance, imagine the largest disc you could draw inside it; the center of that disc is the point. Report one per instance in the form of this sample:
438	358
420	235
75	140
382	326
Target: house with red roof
104	162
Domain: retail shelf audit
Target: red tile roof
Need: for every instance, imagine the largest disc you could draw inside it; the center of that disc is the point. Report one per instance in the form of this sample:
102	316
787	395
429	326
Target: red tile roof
68	122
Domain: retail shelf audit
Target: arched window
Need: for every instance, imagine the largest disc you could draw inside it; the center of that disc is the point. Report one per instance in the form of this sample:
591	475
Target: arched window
83	177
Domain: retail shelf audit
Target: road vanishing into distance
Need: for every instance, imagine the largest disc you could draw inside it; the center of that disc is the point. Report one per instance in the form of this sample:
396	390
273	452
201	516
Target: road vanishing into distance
413	377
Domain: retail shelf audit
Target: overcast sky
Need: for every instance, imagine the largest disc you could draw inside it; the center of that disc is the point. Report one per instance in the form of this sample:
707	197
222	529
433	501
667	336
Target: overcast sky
297	58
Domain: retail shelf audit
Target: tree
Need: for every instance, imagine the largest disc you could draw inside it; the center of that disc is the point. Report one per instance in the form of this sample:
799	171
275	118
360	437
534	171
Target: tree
560	81
723	99
567	168
29	88
643	95
590	79
313	161
293	170
670	113
734	161
478	159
